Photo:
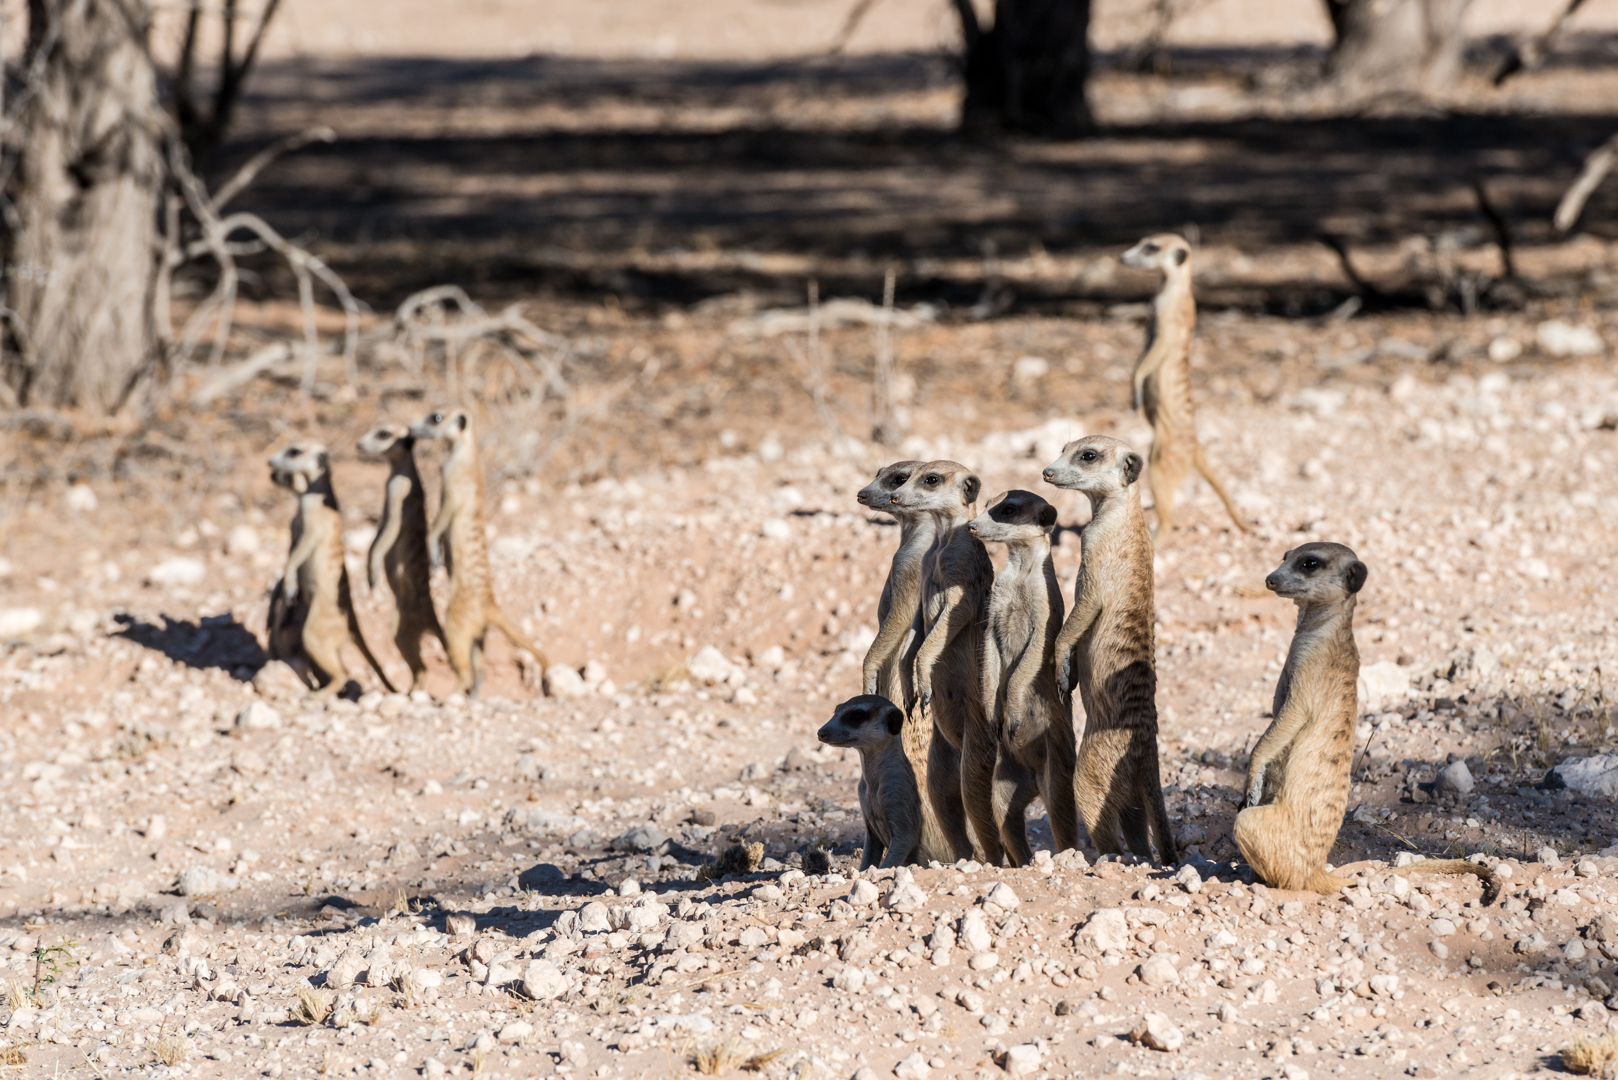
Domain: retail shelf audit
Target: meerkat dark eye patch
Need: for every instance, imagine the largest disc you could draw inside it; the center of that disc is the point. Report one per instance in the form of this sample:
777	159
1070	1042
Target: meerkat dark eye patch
1148	249
1354	577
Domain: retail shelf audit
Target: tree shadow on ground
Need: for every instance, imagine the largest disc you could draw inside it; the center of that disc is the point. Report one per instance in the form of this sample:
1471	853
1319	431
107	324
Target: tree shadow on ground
214	641
591	169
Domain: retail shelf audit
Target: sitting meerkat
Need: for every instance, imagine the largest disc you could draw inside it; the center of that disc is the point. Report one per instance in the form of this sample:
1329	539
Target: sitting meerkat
458	541
1033	727
399	552
956	576
889	797
1106	648
1298	777
315	571
1162	379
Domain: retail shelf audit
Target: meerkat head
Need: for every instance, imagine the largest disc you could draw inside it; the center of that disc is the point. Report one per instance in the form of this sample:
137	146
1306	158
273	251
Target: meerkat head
937	485
1317	573
442	425
878	494
1164	252
386	439
1097	465
867	722
1014	517
299	465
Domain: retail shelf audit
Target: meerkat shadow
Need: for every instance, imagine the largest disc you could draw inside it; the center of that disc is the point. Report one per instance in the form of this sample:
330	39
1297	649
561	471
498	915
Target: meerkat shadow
213	641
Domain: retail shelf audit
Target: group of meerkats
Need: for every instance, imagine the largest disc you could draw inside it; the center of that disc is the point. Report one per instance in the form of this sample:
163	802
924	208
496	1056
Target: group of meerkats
311	613
966	710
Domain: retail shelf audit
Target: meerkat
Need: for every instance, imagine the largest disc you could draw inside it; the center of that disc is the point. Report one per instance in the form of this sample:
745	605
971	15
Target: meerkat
1033	728
1299	775
1106	648
956	576
890	662
457	540
889	797
1162	379
399	552
315	571
284	623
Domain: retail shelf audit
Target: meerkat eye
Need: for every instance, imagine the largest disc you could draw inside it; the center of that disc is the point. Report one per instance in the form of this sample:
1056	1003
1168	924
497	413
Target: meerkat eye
933	480
1150	249
1088	455
899	479
1309	564
438	418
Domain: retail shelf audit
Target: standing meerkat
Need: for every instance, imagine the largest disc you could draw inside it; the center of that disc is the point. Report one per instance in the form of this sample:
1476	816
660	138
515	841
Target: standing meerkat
1034	729
1106	647
956	576
315	572
284	623
1162	378
1299	775
889	668
457	540
399	552
889	798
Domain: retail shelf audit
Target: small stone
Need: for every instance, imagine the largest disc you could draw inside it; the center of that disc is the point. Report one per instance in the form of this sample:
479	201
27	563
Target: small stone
864	1073
642	839
850	980
460	924
515	1032
1439	949
177	572
1157	1032
994	1024
541	877
203	881
1592	1011
1108	928
242	540
1158	971
983	961
16	622
914	1067
975	931
1441	927
863	893
562	681
1454	779
1022	1060
1384	985
346	971
1189	879
709	667
257	716
906	896
594	918
1558	338
542	980
432	1067
1002	897
1547	856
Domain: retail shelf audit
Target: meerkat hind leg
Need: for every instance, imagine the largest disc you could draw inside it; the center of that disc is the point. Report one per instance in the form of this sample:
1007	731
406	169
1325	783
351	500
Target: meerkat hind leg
1268	838
1014	789
327	659
978	756
1056	792
1166	472
944	792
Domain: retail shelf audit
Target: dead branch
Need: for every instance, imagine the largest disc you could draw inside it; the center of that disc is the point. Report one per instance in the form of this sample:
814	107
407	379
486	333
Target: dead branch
256	164
851	23
1497	222
1596	168
420	320
241	374
1530	54
1340	247
882	426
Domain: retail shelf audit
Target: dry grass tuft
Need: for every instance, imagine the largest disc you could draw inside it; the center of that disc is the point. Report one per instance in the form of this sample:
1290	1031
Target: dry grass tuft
16	996
736	859
314	1006
758	1062
718	1059
170	1049
13	1055
1591	1056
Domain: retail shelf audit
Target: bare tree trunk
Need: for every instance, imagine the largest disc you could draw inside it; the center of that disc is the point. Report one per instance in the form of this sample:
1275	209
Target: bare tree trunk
1395	46
81	242
1028	71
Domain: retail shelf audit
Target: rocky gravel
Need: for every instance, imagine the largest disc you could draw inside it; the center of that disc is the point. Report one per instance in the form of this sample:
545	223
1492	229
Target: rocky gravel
641	863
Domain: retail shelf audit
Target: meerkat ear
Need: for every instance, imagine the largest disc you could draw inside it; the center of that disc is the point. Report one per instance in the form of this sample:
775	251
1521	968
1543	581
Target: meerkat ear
1179	256
1047	516
323	460
970	488
1354	578
1132	467
895	720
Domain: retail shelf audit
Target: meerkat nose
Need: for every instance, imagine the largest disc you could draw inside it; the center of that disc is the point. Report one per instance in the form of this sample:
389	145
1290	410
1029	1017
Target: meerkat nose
1271	583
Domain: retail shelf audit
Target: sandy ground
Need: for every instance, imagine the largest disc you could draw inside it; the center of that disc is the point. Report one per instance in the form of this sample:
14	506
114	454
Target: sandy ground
192	846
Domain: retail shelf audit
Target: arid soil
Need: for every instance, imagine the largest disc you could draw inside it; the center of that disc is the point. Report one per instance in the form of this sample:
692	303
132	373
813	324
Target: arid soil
191	846
641	865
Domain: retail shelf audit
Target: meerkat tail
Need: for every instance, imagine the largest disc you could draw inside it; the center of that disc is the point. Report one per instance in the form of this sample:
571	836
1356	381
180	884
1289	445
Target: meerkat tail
1219	489
1322	882
1491	884
1167	848
365	651
500	621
